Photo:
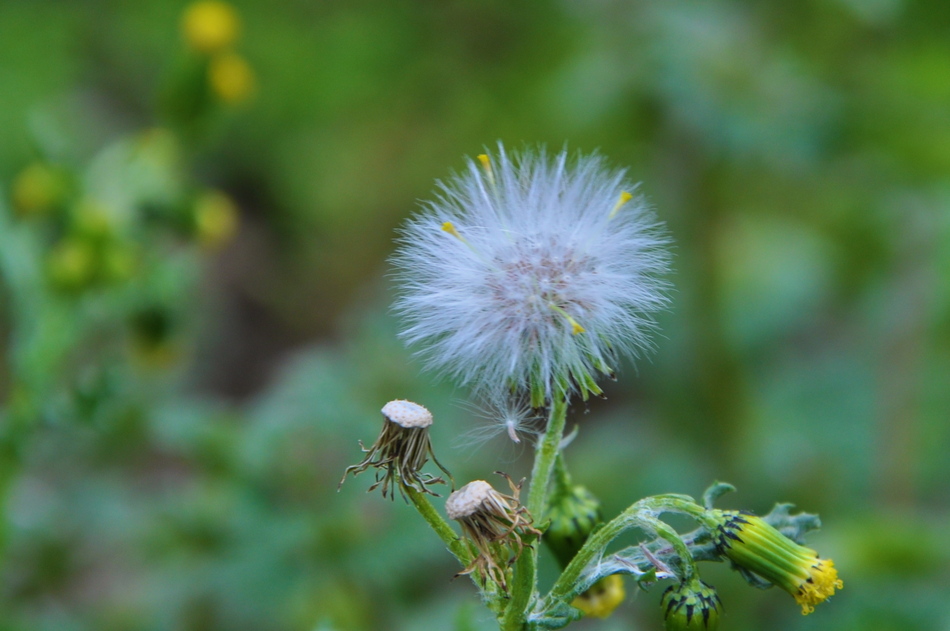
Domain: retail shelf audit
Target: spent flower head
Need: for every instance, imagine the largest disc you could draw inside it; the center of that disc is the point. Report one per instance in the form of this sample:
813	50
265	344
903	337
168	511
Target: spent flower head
533	273
401	450
497	525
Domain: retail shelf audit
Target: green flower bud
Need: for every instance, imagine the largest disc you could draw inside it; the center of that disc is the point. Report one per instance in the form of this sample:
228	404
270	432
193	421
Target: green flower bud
574	513
215	219
71	264
752	543
93	221
39	189
691	605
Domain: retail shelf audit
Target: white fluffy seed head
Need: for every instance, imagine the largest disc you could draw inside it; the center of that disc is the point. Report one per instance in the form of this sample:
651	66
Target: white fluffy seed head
407	414
534	272
468	499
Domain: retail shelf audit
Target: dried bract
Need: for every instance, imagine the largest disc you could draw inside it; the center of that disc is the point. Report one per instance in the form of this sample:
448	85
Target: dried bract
496	524
400	452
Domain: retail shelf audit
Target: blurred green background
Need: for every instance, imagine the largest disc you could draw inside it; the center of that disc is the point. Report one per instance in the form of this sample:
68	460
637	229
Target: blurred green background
178	407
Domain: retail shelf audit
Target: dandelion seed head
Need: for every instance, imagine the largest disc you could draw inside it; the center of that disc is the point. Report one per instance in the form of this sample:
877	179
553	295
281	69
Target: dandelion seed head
533	273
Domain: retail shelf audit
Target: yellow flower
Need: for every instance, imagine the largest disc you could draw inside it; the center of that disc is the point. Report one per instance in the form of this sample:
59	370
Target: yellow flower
602	598
71	264
38	188
821	584
210	26
216	219
752	543
231	77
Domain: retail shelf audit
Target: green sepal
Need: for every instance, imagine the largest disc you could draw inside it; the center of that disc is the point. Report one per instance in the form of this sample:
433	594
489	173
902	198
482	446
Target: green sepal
714	492
645	579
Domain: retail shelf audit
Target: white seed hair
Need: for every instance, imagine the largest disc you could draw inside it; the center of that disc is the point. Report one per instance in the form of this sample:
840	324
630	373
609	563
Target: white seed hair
522	269
511	416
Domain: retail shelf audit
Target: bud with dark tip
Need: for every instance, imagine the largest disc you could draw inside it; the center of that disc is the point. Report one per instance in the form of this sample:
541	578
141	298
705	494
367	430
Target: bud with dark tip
691	605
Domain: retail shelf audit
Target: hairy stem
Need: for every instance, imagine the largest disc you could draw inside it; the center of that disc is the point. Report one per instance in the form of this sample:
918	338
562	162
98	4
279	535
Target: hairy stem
525	571
544	458
640	514
455	545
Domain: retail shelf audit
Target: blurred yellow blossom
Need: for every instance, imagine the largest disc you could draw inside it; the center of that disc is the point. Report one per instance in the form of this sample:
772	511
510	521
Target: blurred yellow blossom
210	26
216	219
93	220
71	264
37	189
231	77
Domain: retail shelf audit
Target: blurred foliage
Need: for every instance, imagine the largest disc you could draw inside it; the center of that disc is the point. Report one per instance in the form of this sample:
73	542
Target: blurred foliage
192	242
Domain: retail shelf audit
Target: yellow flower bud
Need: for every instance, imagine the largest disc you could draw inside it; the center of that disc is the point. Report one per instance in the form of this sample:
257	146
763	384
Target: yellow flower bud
230	77
752	543
71	264
602	598
216	219
210	26
37	189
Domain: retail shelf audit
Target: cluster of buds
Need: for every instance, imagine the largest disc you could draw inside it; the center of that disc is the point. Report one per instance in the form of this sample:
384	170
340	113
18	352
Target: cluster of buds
497	525
97	224
401	450
211	75
211	28
753	544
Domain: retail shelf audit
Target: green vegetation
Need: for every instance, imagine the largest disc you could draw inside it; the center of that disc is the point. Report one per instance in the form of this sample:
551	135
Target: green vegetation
194	304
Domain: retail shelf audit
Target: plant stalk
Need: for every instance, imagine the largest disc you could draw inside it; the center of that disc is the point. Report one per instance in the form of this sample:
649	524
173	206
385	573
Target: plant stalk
455	545
640	514
525	570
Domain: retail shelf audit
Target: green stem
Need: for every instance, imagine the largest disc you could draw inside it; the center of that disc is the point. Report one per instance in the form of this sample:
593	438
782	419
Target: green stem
455	545
525	571
524	576
667	533
639	514
545	456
